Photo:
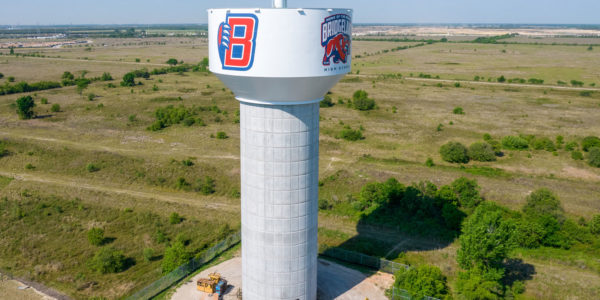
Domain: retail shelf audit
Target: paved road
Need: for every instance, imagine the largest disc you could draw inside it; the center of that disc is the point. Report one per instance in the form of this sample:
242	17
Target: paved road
335	282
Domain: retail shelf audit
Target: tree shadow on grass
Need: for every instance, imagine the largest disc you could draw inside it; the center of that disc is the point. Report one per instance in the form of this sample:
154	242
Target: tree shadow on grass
517	270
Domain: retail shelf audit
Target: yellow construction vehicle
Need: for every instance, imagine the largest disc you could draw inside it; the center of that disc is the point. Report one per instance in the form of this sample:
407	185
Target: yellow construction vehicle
213	284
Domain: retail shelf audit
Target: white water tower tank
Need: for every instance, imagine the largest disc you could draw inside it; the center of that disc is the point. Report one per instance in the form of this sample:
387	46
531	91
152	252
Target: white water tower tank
279	63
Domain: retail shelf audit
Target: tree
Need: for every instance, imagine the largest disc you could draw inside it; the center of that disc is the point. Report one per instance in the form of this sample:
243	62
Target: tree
172	61
175	256
25	107
95	236
422	281
326	102
594	157
128	79
12	51
108	260
482	152
467	192
486	239
361	101
454	152
479	284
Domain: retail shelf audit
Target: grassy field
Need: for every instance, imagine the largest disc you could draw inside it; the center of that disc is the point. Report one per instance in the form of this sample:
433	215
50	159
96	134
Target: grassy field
50	198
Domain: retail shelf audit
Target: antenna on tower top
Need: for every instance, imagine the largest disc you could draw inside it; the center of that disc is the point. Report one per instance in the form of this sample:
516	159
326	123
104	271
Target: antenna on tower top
279	3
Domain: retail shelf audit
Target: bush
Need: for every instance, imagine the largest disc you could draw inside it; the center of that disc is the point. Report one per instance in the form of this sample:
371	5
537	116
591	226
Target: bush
326	102
514	143
222	135
25	107
92	168
128	80
594	157
422	281
458	111
466	192
482	152
108	260
175	256
570	146
543	144
189	121
350	134
106	77
95	236
429	162
589	142
206	186
172	61
44	100
454	152
576	155
529	234
1	75
595	224
175	218
501	79
576	83
55	108
543	202
361	101
3	151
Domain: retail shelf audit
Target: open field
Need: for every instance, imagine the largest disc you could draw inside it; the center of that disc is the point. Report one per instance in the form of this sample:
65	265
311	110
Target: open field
50	197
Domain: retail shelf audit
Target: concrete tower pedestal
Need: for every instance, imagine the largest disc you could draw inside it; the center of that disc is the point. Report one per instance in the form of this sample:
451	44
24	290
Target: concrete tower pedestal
280	164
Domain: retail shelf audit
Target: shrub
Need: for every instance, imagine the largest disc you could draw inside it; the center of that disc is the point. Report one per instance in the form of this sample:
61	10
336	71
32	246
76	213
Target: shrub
326	102
350	134
457	84
543	202
29	167
189	121
55	108
172	61
481	152
3	151
501	79
514	143
175	218
361	101
454	152
91	96
95	236
466	192
206	185
324	204
429	162
106	77
92	168
543	144
576	155
570	146
1	75
175	256
589	142
25	107
576	83
458	111
128	80
422	281
148	254
529	234
595	224
44	100
594	157
222	135
108	260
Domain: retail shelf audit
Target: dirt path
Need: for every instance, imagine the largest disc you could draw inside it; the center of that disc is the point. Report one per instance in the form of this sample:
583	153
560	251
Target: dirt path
334	282
156	195
16	288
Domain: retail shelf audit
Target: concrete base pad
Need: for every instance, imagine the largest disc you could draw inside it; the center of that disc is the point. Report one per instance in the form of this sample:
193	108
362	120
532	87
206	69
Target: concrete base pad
334	282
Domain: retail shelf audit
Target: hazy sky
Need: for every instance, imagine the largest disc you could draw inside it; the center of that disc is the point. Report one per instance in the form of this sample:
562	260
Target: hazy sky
48	12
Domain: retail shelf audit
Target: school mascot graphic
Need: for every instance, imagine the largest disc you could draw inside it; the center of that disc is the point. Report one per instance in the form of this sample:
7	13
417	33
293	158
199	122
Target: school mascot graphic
335	38
237	40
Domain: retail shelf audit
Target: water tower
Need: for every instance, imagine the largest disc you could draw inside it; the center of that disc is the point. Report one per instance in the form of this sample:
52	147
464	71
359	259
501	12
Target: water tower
279	62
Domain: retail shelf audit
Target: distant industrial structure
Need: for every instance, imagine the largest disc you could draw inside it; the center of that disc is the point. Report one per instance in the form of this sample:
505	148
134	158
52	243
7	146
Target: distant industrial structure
280	63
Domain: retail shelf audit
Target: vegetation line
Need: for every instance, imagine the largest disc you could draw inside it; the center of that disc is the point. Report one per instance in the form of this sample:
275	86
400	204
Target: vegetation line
138	194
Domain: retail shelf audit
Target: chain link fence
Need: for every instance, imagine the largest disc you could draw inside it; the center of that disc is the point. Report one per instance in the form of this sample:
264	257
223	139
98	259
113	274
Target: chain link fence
380	264
183	271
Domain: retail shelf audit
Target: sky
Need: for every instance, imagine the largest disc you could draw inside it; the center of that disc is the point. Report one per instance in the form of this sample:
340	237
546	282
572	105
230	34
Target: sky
55	12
